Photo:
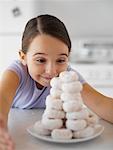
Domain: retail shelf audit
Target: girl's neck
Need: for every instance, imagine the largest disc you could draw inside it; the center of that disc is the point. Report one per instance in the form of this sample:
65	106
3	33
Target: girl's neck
39	86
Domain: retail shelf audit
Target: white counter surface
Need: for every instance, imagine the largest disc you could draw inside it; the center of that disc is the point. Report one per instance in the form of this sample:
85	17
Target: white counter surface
20	120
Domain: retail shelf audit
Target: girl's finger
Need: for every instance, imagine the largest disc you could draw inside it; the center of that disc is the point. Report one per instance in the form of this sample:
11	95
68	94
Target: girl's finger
5	147
9	145
1	122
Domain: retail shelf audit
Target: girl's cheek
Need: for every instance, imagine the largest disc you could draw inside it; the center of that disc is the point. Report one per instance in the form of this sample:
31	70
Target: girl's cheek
39	69
63	68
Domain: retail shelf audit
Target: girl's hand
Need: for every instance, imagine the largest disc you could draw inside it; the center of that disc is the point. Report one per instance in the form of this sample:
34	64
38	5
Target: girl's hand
6	142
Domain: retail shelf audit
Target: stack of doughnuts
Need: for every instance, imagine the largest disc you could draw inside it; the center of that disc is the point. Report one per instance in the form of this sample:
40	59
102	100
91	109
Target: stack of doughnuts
66	116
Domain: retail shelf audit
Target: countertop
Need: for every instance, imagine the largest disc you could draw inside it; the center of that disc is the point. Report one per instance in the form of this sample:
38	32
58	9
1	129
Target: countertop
20	120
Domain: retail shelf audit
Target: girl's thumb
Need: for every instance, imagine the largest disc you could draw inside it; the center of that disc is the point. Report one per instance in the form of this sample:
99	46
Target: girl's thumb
1	122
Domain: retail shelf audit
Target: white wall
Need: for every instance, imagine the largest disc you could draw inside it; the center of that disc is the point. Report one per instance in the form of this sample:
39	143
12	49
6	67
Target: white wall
84	18
9	47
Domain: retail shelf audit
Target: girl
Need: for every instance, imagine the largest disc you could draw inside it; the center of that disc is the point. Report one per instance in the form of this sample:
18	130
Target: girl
45	53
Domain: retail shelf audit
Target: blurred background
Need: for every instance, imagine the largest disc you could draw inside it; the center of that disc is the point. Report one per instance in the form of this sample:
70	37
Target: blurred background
90	25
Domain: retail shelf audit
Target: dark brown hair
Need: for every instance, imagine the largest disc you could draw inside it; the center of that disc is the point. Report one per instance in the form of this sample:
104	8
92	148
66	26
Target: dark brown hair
45	24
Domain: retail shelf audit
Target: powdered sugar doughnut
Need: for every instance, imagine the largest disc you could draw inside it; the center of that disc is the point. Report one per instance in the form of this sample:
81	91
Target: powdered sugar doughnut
54	114
55	83
56	93
97	126
39	128
75	86
86	132
81	114
68	76
76	125
71	97
52	103
52	123
50	98
63	134
92	119
71	106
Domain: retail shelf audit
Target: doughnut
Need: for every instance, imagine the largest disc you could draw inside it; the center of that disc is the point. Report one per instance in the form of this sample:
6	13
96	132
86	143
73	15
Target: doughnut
76	125
56	93
75	87
81	114
39	129
71	106
63	134
71	97
86	132
92	119
54	114
51	124
96	126
55	83
52	103
68	76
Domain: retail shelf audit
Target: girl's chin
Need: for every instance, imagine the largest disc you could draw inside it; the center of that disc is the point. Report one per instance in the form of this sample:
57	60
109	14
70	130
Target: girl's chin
46	84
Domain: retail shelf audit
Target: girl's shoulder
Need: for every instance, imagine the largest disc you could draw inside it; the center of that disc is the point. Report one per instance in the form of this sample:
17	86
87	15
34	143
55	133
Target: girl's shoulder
18	68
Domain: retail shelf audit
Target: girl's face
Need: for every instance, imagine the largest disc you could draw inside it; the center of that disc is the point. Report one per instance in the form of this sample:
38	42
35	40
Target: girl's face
46	58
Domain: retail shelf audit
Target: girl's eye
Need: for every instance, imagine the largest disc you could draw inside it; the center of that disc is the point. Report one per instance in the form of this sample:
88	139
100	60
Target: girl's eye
41	61
61	61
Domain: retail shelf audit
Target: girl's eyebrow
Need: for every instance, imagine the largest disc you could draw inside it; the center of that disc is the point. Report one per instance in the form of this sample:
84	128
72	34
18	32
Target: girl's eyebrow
64	54
39	54
46	54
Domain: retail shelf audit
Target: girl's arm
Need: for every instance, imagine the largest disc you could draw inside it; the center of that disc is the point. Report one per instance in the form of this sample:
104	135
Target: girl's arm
8	85
100	104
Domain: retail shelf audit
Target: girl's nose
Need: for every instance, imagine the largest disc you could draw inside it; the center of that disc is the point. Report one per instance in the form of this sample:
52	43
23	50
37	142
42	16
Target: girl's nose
51	69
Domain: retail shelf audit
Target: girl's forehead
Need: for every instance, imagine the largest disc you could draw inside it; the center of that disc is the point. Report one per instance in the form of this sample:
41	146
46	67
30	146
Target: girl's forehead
49	52
47	44
46	40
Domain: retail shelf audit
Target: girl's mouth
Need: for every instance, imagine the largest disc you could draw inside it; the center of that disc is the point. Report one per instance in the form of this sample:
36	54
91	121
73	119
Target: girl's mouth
47	78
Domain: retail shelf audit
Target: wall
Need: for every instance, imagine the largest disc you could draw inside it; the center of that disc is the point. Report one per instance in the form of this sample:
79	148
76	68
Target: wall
83	18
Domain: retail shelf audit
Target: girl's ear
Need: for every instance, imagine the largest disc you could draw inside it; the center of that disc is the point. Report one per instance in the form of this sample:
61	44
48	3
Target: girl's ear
22	57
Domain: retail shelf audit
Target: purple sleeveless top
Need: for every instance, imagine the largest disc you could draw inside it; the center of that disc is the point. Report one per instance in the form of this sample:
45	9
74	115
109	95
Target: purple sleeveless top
27	94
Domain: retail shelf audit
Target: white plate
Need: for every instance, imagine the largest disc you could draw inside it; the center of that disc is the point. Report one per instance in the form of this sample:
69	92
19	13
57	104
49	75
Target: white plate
98	131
